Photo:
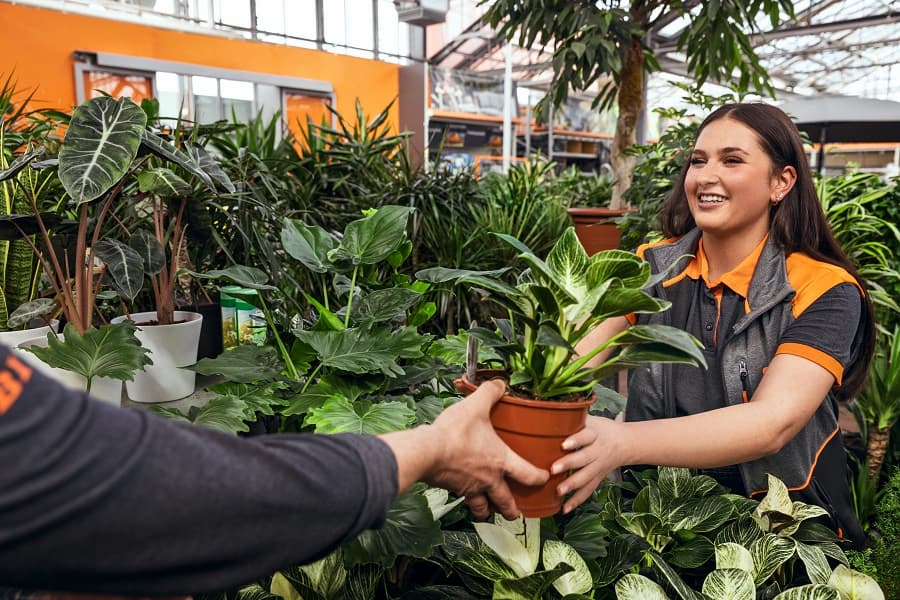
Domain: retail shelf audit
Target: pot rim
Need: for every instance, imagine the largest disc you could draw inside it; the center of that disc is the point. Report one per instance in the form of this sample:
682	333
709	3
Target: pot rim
546	404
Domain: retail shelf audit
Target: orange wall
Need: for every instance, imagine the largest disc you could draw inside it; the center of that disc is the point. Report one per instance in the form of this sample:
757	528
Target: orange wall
38	43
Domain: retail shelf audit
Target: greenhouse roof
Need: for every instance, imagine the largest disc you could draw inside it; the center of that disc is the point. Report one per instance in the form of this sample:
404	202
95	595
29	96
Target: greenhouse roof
846	47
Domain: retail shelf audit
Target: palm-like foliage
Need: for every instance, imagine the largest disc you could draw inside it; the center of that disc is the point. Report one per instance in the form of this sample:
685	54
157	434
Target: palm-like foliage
877	408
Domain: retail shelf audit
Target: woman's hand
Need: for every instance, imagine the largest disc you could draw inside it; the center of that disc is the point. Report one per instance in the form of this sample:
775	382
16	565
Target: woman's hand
592	457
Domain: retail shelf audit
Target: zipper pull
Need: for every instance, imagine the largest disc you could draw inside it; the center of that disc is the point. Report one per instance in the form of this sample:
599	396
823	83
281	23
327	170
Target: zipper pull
742	370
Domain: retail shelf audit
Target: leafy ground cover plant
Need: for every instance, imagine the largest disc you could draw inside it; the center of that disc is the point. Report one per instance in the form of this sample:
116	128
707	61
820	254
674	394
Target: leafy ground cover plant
556	303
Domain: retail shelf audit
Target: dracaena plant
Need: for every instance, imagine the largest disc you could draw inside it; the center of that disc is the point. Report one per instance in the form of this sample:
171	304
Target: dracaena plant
555	303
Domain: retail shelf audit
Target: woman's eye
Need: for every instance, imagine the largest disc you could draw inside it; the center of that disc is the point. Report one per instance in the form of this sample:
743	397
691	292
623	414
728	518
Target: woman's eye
732	160
696	161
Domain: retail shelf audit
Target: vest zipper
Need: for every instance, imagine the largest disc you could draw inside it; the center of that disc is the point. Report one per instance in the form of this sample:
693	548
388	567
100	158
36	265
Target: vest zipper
742	370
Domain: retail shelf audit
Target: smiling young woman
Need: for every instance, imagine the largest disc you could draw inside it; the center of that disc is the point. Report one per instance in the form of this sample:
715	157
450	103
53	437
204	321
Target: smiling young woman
756	274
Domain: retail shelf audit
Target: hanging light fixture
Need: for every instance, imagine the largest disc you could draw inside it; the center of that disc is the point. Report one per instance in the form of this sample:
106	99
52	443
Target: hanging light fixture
422	12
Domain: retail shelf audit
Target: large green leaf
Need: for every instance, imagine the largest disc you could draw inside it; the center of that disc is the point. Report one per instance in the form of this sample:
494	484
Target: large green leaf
691	554
729	584
246	363
531	587
473	560
163	182
817	568
254	398
124	265
108	351
516	544
205	163
339	415
359	351
384	305
325	388
702	514
409	530
577	581
101	143
372	239
248	277
624	552
733	556
587	534
226	413
310	244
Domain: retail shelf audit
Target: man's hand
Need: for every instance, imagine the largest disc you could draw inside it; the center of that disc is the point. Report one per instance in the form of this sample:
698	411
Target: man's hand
461	452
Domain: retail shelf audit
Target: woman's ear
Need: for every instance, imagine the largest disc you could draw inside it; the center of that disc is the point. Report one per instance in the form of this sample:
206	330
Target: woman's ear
783	183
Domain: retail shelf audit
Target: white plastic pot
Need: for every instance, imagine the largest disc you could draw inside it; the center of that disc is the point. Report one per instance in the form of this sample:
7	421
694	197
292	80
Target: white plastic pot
171	347
16	337
104	388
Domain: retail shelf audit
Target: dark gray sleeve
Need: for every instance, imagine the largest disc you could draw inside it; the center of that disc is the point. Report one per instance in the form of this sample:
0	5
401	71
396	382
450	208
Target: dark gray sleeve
103	499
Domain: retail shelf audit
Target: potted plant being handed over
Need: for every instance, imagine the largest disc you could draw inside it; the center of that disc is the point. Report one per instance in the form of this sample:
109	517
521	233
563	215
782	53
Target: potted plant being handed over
552	306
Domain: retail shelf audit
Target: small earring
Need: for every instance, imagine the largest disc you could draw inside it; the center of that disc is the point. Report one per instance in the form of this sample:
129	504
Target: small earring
776	200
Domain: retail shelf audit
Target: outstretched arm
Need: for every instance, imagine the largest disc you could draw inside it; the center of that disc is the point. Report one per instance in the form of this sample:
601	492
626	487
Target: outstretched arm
788	395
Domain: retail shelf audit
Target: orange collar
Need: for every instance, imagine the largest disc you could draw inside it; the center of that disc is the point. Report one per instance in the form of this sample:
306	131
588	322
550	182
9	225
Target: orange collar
738	279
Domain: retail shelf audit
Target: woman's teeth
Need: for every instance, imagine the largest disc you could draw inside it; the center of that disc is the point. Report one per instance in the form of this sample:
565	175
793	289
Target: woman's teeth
711	198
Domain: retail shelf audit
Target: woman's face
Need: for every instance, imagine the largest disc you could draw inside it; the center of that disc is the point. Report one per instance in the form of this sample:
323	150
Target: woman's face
730	185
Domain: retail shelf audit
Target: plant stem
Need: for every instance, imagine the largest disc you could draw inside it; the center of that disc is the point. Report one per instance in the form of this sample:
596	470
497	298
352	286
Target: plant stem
350	299
285	355
310	378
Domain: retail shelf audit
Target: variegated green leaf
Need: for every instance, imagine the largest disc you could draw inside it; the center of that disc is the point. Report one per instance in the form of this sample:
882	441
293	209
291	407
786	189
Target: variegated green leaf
817	568
100	145
776	499
577	581
691	554
729	584
702	514
438	502
809	592
637	587
155	144
30	310
769	553
733	556
507	548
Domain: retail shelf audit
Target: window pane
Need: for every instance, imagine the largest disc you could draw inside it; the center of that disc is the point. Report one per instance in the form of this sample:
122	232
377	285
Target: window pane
136	87
206	109
393	36
300	18
204	86
335	32
359	22
239	110
170	93
270	16
235	13
238	90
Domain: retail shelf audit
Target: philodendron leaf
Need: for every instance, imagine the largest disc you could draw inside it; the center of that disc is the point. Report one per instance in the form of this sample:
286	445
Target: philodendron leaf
324	578
30	310
770	552
701	514
21	162
817	568
204	161
359	351
248	277
152	253
777	499
527	532
729	584
226	413
371	239
410	530
532	587
854	585
163	182
310	244
384	305
733	556
282	588
507	547
587	534
254	591
125	266
108	351
100	145
13	227
254	399
577	581
637	587
691	554
438	502
339	415
810	592
246	363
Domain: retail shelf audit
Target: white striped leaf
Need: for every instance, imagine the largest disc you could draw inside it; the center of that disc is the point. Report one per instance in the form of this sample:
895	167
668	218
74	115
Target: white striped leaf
770	552
729	584
733	556
816	564
577	581
507	547
854	585
637	587
810	592
124	265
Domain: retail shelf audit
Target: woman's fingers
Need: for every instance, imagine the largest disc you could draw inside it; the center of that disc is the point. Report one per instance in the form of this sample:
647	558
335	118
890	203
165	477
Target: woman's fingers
585	437
582	494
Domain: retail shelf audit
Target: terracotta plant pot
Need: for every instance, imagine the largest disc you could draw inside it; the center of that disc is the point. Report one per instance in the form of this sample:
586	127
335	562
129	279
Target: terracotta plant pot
535	430
596	229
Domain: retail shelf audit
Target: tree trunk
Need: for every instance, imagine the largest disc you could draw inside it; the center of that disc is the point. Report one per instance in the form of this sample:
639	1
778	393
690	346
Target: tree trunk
876	449
630	102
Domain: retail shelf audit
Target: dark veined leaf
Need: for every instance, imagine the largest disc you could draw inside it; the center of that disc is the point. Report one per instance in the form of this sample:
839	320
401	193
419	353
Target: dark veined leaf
586	533
155	144
21	162
439	592
339	415
770	552
100	145
255	592
691	554
207	164
473	559
152	253
310	244
246	363
108	351
163	182
324	578
532	586
124	265
410	530
428	408
248	277
671	577
372	239
810	592
623	553
12	227
30	310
